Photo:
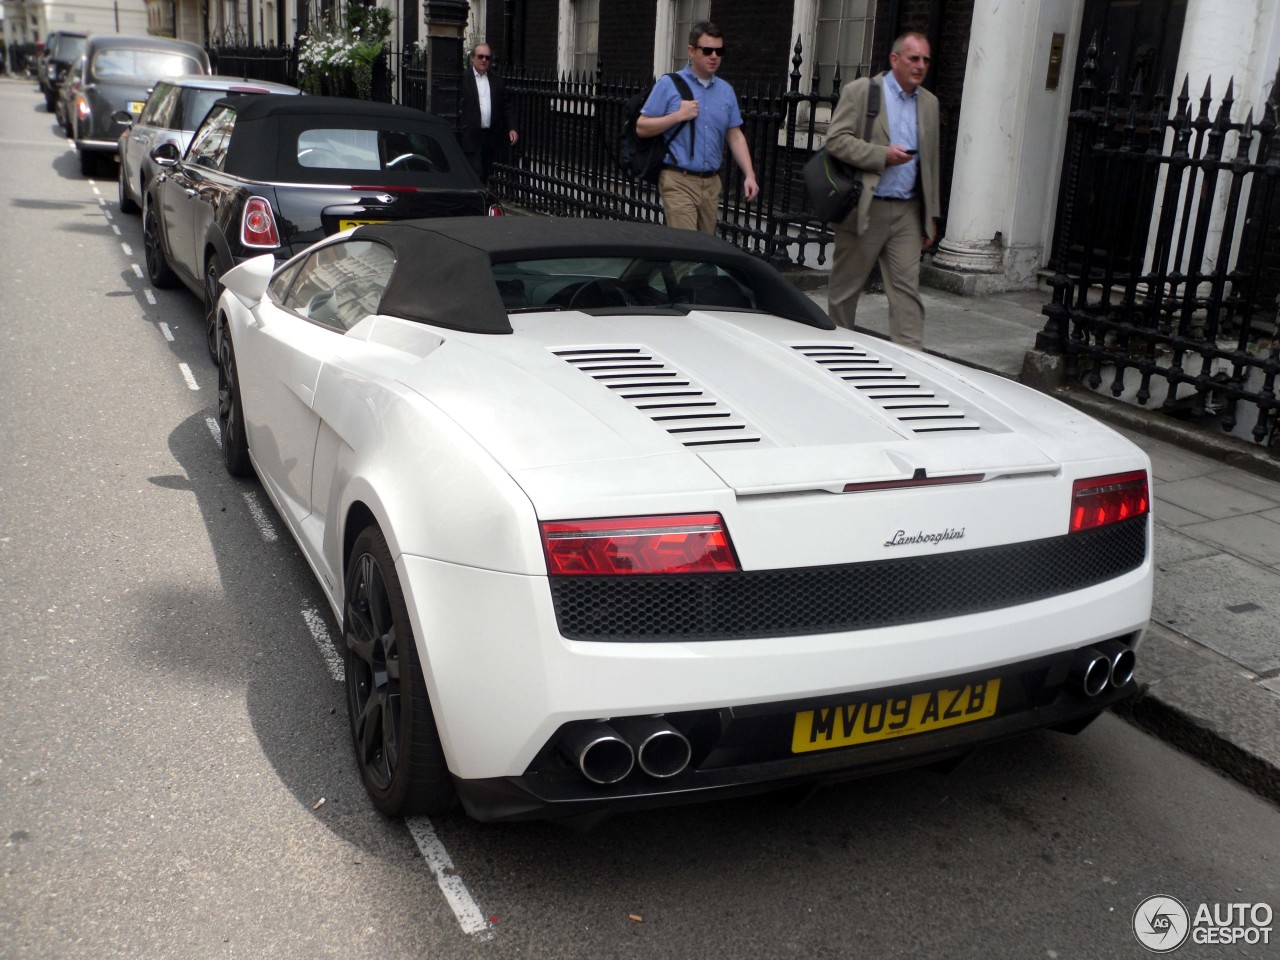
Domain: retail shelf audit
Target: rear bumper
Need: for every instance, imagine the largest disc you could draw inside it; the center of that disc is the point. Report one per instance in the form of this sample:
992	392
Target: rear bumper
98	146
748	751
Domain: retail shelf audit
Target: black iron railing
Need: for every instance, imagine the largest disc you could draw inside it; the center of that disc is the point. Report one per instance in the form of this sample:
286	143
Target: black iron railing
1161	241
566	162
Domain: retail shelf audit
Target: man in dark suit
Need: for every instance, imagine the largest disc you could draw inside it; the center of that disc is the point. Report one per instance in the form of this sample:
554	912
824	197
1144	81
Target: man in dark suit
483	126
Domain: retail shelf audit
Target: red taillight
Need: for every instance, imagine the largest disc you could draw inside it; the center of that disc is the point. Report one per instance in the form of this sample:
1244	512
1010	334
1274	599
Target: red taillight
495	210
1099	501
82	107
696	543
258	225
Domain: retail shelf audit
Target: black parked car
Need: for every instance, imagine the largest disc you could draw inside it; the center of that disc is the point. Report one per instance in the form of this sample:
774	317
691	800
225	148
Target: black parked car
275	173
118	73
60	51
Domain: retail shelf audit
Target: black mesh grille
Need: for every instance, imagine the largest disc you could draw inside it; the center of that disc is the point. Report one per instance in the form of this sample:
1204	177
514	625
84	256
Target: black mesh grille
855	596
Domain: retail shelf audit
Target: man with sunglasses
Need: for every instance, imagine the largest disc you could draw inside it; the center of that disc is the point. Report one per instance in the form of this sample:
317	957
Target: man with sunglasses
482	112
896	216
689	184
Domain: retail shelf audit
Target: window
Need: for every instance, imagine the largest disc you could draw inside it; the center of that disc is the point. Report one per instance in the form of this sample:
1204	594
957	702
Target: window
160	107
685	14
596	283
579	36
117	62
371	150
209	146
834	33
342	283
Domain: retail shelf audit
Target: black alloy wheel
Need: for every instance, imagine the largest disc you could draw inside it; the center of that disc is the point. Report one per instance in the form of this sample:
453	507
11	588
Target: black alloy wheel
397	745
126	202
212	291
158	270
235	445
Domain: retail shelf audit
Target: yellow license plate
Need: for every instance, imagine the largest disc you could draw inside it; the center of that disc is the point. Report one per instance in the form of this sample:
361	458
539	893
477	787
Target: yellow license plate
135	106
348	224
873	720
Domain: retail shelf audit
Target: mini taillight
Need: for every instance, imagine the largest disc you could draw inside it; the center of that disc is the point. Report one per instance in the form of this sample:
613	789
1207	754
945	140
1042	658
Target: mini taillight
495	210
258	225
695	543
1099	501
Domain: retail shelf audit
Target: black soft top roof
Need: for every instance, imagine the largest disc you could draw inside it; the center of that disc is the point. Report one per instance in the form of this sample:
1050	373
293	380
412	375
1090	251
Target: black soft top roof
276	105
443	273
263	145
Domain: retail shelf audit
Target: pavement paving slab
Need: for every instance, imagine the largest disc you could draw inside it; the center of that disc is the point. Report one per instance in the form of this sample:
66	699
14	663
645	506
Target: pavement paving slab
1209	670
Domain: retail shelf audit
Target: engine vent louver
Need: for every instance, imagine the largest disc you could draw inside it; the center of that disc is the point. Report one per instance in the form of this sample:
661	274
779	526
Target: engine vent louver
672	401
917	407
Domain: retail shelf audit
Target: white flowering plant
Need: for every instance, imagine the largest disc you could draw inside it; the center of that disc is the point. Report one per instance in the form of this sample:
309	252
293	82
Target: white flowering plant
333	58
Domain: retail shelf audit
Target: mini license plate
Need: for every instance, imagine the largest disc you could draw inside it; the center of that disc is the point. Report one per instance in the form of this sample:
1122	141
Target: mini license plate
873	720
348	224
135	107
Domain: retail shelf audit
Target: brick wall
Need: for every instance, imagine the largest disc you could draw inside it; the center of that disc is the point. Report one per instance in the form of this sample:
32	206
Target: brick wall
540	34
759	35
626	38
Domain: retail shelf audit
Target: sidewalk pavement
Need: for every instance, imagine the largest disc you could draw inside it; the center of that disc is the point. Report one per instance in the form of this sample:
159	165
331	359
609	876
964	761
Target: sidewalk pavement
1210	665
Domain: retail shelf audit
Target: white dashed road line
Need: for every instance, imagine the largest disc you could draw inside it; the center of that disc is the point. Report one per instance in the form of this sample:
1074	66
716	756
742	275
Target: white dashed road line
456	894
188	376
320	633
267	528
455	891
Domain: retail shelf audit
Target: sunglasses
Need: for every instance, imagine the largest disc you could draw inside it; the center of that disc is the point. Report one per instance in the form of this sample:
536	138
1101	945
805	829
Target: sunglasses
711	51
482	56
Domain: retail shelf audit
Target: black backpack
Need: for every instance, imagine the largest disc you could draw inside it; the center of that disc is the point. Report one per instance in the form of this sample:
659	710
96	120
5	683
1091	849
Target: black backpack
641	157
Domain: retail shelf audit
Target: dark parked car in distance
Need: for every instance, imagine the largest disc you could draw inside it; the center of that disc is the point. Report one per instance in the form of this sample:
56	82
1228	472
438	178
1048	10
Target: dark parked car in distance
117	74
60	51
274	174
172	113
67	87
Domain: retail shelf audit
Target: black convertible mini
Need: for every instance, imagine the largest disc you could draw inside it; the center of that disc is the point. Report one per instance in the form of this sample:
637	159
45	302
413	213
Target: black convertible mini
275	173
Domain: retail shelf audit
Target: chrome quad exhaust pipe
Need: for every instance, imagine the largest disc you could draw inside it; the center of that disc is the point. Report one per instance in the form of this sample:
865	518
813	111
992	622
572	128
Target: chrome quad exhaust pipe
1092	671
1123	661
661	750
600	753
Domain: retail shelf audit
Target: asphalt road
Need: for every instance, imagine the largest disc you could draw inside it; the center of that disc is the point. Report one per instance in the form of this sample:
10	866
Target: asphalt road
175	773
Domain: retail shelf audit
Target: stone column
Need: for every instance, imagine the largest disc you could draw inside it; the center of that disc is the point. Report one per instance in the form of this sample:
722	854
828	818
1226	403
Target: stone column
1008	149
446	22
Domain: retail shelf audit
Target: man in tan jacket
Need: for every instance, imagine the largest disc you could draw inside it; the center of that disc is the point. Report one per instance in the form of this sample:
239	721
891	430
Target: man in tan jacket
896	217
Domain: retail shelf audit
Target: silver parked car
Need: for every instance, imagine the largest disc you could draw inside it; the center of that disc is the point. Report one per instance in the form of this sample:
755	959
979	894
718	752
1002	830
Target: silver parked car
171	115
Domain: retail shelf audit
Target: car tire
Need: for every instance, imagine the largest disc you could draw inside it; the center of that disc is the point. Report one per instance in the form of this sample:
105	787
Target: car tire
158	270
397	745
235	444
212	291
50	103
127	204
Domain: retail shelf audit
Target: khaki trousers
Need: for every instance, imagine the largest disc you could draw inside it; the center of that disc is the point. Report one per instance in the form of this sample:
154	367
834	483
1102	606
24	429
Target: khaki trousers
894	237
689	201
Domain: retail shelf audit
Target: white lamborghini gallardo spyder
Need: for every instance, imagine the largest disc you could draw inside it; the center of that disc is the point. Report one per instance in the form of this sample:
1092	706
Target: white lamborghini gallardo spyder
613	516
